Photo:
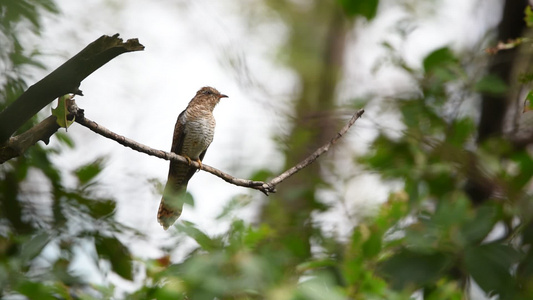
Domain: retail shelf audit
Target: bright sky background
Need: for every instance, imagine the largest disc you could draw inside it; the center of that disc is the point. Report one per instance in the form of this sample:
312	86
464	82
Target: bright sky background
139	95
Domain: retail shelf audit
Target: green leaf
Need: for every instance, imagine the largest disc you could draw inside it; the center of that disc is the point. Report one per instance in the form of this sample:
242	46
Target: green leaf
461	131
261	175
372	246
89	171
36	290
476	229
490	266
407	267
492	85
117	254
529	16
438	59
254	236
64	139
199	236
364	8
34	246
61	111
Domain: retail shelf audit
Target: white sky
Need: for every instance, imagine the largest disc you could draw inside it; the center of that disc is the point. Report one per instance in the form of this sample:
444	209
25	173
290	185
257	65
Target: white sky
139	95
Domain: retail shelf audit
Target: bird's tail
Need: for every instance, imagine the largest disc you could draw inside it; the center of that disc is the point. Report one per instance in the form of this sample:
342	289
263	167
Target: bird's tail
171	207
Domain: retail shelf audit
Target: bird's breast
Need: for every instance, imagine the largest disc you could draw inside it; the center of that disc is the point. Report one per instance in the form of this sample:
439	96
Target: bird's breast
199	132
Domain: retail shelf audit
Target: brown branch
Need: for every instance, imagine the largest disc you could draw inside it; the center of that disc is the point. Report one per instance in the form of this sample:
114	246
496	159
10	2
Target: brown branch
265	187
17	145
63	80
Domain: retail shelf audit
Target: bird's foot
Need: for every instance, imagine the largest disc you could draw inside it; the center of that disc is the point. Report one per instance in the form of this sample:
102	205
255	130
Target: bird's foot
200	163
188	159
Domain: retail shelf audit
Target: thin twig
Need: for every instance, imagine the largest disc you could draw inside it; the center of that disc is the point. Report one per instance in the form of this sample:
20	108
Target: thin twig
265	187
311	158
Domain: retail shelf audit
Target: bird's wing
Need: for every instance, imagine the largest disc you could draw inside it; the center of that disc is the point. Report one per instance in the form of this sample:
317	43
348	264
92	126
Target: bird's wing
178	177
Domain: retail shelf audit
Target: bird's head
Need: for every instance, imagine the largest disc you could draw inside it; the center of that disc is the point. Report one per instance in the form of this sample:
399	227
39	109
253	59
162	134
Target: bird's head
207	96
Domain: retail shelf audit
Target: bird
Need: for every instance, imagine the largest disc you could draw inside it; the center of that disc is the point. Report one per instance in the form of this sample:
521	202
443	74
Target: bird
193	134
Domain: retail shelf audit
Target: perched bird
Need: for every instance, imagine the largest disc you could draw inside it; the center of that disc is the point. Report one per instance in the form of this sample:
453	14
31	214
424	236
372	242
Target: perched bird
193	134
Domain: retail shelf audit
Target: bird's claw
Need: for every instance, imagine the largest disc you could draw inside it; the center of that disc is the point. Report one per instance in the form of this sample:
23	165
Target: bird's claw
200	163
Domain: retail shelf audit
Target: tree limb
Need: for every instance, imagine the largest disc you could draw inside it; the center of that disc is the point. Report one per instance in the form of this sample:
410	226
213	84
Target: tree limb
265	187
63	80
17	145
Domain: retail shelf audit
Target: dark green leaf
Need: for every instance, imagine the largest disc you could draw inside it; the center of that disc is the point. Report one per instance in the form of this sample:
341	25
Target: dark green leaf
476	230
490	266
492	85
118	255
364	8
261	175
33	247
89	171
372	246
36	290
438	59
411	268
101	208
461	131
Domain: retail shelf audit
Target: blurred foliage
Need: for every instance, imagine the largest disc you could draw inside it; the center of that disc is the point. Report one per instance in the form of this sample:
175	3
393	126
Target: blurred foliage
428	239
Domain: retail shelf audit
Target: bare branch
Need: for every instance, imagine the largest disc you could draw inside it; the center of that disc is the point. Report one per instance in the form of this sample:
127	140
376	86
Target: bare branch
265	187
17	145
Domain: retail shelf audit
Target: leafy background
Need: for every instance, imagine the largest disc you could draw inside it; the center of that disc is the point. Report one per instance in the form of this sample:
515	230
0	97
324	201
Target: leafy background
457	218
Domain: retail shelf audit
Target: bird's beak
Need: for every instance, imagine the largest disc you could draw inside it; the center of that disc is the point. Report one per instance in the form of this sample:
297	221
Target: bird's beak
223	96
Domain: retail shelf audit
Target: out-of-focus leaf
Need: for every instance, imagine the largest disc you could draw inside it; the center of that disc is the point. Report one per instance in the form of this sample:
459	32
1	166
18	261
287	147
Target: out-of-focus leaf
97	208
62	290
492	85
364	8
89	171
102	208
529	16
438	59
451	210
118	255
34	246
391	158
172	289
36	290
490	266
64	139
255	235
412	268
525	171
199	236
317	288
461	131
372	246
261	175
476	230
315	264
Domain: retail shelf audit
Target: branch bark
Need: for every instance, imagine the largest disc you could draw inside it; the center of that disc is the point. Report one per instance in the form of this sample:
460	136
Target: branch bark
64	80
265	187
17	145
